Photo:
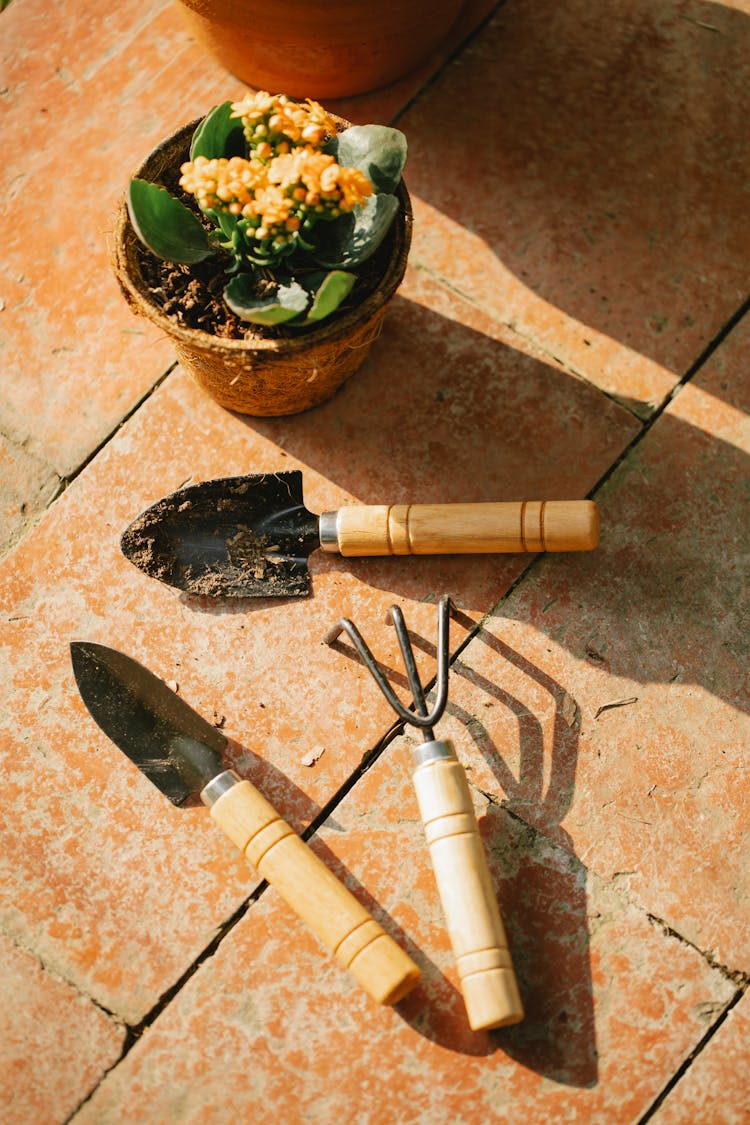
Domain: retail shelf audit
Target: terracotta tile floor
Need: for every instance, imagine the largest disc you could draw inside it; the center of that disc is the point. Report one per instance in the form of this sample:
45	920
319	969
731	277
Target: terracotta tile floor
573	323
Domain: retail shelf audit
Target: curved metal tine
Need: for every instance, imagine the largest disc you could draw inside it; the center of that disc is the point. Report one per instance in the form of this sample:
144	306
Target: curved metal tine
348	627
443	656
420	718
424	720
407	653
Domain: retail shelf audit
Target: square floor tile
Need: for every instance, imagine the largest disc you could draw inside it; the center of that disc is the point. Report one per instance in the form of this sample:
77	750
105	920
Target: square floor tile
566	171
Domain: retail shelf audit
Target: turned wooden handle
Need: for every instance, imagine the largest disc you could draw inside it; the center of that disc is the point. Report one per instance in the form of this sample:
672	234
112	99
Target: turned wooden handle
313	891
444	529
483	961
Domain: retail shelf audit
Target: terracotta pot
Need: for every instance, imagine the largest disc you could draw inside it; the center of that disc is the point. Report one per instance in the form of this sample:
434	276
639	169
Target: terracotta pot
309	50
261	375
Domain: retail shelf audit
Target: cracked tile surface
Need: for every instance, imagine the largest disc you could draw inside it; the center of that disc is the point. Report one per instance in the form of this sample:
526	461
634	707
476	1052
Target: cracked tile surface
69	581
580	192
609	694
269	1025
44	1021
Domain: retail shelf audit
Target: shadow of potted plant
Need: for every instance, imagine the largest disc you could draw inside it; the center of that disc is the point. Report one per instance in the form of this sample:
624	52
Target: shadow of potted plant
266	240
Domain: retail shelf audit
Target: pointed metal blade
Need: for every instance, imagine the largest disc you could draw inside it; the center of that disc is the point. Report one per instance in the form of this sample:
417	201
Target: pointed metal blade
236	537
176	748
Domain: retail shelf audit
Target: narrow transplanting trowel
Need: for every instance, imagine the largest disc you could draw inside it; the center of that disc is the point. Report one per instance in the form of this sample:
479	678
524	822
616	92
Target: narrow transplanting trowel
250	536
181	753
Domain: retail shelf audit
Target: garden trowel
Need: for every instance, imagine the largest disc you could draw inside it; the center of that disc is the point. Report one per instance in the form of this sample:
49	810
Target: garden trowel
251	536
181	753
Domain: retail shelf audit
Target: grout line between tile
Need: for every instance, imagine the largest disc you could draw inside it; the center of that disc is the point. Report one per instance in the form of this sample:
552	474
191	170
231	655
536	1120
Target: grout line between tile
55	974
134	1032
645	419
712	345
688	1062
370	757
646	425
683	381
736	976
436	74
739	979
65	481
438	279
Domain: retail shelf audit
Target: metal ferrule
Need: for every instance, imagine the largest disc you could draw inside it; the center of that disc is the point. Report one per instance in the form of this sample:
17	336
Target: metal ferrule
218	786
328	530
433	752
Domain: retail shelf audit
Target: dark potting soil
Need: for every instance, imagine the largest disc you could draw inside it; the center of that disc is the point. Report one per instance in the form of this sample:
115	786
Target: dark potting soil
192	295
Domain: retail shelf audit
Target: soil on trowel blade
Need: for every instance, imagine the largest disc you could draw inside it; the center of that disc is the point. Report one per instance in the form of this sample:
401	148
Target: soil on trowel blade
248	567
140	544
249	562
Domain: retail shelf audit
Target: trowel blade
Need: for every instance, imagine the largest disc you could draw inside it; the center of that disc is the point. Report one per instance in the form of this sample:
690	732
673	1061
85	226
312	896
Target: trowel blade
235	537
176	748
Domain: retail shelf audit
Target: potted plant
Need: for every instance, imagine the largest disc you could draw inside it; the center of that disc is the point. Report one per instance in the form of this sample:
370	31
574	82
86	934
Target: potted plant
266	240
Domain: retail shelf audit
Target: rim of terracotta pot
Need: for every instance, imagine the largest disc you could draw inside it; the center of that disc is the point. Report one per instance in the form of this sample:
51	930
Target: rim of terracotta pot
127	248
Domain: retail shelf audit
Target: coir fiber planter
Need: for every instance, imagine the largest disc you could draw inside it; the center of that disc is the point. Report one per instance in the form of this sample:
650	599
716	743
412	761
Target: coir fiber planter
319	50
264	375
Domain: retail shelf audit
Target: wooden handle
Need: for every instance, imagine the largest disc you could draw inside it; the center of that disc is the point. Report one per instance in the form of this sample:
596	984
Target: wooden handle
464	529
471	912
313	891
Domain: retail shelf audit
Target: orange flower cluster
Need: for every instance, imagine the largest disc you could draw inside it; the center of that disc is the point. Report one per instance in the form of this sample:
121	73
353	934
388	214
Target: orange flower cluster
318	182
276	197
223	185
274	125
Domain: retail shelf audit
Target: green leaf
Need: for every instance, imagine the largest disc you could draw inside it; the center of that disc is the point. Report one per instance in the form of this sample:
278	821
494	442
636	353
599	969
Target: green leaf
377	150
353	238
287	302
165	226
329	290
219	134
224	220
